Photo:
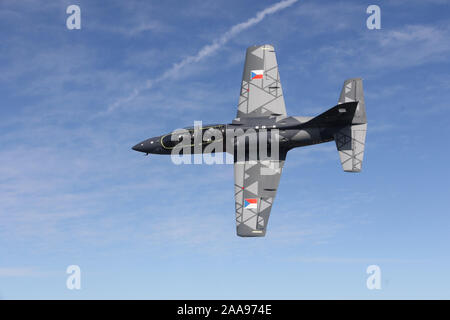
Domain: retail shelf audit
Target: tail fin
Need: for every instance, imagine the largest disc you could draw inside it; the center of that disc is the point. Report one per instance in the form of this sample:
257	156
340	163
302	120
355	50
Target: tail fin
350	139
338	116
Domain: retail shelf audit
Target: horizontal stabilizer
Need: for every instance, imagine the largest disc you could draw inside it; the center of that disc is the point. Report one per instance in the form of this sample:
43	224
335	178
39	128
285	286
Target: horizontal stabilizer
352	90
350	142
350	139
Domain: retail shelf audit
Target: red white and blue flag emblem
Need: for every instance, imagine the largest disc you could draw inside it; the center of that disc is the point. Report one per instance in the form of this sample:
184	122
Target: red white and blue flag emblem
256	74
251	203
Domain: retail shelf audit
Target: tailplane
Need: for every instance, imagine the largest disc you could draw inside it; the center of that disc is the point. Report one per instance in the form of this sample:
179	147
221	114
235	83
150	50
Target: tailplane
352	91
350	139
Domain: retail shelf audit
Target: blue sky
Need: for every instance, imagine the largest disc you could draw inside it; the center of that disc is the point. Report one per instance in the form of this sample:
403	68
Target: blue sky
73	192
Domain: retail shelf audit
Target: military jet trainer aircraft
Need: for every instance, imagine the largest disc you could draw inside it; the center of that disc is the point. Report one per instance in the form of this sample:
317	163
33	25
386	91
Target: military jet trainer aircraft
261	108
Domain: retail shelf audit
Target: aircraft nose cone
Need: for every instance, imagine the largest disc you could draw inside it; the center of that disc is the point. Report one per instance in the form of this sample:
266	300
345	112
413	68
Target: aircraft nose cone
139	147
148	146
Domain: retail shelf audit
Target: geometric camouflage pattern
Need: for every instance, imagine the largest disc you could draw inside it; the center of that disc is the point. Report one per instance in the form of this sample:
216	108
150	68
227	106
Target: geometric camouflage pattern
255	180
352	90
261	97
261	107
350	140
350	144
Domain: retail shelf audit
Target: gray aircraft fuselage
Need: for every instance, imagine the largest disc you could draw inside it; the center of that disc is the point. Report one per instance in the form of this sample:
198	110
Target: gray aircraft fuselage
292	131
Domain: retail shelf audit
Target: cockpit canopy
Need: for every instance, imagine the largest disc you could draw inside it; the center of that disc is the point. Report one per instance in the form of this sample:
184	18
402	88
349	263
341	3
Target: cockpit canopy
208	134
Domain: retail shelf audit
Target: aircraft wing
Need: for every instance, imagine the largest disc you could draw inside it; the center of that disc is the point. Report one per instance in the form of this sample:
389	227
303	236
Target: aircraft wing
261	92
255	188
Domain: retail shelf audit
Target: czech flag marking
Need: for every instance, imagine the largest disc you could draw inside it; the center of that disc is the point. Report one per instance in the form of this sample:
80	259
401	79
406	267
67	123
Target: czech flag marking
251	203
256	74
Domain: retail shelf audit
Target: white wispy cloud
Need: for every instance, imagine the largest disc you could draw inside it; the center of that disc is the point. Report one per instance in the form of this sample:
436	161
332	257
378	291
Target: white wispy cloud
204	52
132	30
378	52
